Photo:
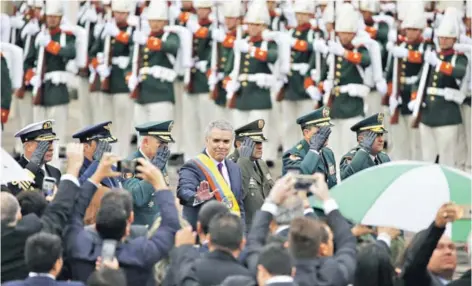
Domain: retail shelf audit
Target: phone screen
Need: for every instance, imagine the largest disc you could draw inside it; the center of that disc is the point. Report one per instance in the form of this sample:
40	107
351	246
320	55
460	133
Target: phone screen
108	249
48	185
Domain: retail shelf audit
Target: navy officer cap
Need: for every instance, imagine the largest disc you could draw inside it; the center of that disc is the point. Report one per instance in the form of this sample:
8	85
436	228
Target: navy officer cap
372	123
319	117
159	129
100	131
38	131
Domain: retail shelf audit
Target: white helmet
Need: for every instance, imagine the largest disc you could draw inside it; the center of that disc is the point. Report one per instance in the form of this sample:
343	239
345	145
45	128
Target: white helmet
157	10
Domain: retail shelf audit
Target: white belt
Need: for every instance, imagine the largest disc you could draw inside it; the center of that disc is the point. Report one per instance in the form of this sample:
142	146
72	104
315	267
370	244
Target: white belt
442	91
220	76
122	62
302	68
57	77
201	66
262	80
159	72
354	89
408	79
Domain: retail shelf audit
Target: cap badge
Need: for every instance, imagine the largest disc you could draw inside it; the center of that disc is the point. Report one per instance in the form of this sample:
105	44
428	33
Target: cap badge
325	112
171	125
260	124
380	117
47	125
107	127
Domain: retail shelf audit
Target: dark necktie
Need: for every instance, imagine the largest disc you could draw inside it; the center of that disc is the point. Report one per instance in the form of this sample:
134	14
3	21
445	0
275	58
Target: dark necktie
220	168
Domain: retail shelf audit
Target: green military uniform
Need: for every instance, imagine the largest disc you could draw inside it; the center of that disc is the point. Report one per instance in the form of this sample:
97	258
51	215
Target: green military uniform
379	31
201	52
250	95
5	89
85	72
357	159
54	94
308	161
225	50
438	111
159	87
118	49
256	178
346	106
145	210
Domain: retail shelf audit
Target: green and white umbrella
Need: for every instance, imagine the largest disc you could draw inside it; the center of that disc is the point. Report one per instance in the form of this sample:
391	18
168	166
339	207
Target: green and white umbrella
405	195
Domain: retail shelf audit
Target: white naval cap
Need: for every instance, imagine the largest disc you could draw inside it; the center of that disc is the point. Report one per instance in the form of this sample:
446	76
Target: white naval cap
38	131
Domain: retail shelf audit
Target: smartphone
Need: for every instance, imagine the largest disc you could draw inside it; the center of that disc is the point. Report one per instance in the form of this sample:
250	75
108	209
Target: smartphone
108	249
62	152
126	166
303	182
48	186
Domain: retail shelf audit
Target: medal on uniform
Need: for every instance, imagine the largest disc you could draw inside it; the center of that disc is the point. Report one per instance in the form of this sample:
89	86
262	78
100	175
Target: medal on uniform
332	170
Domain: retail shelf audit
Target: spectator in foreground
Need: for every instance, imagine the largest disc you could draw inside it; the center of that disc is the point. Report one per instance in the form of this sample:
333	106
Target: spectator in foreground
275	266
107	273
43	257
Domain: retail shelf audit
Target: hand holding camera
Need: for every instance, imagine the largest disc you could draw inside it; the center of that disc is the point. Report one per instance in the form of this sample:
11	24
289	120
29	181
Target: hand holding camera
104	168
145	170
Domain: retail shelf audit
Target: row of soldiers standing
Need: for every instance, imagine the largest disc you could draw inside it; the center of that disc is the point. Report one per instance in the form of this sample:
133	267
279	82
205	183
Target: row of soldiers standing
195	61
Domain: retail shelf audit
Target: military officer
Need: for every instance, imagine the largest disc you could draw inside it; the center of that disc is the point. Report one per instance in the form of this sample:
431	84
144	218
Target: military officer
368	152
256	179
312	155
96	140
112	50
408	56
50	93
154	138
151	84
11	76
441	115
37	139
344	85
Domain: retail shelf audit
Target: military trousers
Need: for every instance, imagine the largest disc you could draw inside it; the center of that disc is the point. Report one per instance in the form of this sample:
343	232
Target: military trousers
440	141
373	103
119	109
177	130
243	117
275	127
88	103
197	113
22	108
291	110
463	151
157	111
405	142
342	139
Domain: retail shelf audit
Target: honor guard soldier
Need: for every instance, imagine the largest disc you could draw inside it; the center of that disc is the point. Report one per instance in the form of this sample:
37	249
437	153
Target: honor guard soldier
52	49
256	179
441	100
152	81
11	76
408	58
112	50
312	155
153	146
37	139
368	153
197	105
344	88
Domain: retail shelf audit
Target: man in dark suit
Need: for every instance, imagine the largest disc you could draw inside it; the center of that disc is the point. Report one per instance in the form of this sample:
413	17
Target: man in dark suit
43	256
37	139
275	266
17	229
211	176
138	256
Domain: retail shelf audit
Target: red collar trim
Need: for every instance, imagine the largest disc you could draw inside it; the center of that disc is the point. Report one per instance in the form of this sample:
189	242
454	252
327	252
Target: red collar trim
54	31
448	52
273	13
304	27
255	39
231	33
204	22
155	34
123	25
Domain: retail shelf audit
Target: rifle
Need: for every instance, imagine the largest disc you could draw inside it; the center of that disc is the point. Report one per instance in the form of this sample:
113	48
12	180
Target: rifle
136	64
94	81
40	71
214	59
235	72
425	76
107	54
397	63
329	103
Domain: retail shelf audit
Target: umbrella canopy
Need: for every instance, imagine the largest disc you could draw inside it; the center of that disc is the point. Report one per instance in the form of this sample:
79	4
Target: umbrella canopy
405	195
11	170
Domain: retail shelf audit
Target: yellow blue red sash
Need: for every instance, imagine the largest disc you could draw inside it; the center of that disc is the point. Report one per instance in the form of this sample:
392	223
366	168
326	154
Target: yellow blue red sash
217	182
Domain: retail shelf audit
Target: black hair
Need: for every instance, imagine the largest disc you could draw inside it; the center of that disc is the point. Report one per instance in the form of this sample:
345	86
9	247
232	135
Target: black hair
208	211
107	277
32	202
226	230
276	259
111	221
119	196
374	266
42	250
305	237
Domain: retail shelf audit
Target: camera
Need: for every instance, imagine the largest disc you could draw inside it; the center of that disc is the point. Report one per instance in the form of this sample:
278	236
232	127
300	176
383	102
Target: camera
48	185
62	152
304	182
127	166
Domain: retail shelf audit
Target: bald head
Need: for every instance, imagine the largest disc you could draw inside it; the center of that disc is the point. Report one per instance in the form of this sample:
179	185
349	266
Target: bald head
10	208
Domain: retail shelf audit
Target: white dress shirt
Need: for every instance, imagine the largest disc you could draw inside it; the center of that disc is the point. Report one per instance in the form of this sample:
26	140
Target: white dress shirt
224	169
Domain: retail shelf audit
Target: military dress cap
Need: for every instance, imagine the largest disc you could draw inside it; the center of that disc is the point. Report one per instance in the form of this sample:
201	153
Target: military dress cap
319	117
38	131
373	123
159	129
101	131
252	130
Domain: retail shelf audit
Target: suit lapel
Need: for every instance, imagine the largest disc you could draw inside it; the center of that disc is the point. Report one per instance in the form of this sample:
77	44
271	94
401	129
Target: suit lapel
229	166
257	172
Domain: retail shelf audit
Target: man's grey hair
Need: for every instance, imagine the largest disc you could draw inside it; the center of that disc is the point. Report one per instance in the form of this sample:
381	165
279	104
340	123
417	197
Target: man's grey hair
290	209
9	208
220	124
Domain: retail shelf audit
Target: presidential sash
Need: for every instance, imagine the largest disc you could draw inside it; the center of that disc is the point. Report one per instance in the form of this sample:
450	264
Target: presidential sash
217	182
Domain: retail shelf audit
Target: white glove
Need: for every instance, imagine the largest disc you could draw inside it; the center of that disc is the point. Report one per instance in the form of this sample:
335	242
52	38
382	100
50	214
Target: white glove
314	93
328	85
393	102
132	82
320	46
336	48
241	45
201	66
35	81
31	29
268	35
72	67
104	71
392	35
43	39
399	52
212	80
389	46
411	105
90	15
457	97
431	58
110	29
218	34
193	25
97	30
17	21
231	87
381	87
464	39
139	37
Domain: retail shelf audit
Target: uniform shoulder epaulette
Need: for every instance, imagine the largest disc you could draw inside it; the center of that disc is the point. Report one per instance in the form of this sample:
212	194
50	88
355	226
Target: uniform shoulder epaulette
299	147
